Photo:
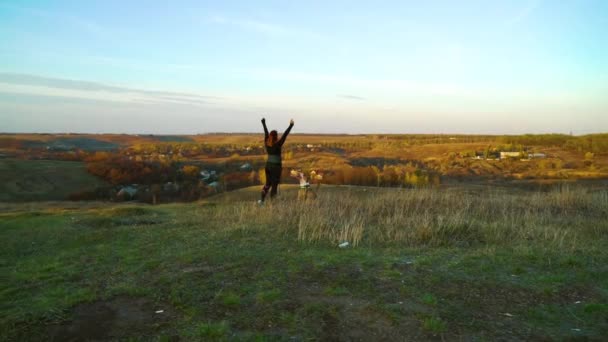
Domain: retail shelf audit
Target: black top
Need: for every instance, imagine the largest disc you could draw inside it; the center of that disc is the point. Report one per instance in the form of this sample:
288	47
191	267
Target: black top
274	151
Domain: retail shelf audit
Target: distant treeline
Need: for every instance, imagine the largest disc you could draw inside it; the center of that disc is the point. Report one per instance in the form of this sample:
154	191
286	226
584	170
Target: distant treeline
596	143
407	175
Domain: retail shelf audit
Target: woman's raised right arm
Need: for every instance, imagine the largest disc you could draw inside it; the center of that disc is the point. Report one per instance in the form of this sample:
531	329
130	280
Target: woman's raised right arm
265	129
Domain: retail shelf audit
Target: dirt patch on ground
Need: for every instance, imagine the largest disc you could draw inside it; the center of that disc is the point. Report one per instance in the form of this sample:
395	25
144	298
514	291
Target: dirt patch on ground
351	318
116	318
125	217
359	320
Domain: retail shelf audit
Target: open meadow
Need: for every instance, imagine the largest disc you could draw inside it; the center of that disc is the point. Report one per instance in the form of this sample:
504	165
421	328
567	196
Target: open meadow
422	264
303	171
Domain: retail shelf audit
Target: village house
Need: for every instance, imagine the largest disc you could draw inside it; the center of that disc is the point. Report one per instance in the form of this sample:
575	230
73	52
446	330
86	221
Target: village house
205	175
127	192
504	155
208	175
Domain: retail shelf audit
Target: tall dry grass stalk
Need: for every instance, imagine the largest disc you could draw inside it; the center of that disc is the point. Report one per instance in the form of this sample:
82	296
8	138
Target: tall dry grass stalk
431	217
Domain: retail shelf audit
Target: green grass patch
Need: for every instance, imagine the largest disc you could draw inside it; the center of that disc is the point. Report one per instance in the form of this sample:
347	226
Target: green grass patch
336	291
429	299
434	325
231	300
215	331
596	309
269	296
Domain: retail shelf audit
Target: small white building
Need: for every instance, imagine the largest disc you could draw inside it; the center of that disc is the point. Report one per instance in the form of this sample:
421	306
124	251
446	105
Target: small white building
130	191
537	155
504	155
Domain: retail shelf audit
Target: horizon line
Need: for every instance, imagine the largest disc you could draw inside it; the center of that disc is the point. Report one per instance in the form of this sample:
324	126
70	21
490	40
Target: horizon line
300	133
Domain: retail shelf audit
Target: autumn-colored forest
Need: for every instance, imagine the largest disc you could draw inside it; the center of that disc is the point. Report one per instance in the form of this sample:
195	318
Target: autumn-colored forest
190	167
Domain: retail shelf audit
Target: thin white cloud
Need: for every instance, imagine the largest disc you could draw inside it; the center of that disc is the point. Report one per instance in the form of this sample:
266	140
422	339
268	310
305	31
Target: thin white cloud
80	23
36	113
252	25
263	27
351	97
46	86
131	64
365	85
524	12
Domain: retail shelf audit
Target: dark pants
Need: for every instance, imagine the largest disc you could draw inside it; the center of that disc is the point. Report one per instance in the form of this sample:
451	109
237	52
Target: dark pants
273	178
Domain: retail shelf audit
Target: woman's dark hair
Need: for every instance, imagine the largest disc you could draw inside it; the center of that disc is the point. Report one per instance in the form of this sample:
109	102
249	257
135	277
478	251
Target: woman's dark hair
272	139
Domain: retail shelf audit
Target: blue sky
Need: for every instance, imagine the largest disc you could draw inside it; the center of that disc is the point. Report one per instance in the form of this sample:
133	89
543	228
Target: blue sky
518	66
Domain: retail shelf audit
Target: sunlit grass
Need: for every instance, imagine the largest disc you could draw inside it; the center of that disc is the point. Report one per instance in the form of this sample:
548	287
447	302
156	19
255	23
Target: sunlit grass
565	218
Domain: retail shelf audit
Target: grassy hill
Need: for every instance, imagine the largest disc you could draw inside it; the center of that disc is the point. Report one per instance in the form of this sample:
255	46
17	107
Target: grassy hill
43	180
421	265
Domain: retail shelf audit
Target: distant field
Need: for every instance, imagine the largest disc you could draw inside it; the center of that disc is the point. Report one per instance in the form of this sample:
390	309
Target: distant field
89	142
217	138
43	180
400	161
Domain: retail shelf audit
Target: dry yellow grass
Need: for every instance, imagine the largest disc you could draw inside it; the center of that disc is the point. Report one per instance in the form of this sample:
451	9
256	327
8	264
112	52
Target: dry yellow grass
566	217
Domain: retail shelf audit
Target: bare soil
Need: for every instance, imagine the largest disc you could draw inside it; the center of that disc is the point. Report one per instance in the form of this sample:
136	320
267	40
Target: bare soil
116	318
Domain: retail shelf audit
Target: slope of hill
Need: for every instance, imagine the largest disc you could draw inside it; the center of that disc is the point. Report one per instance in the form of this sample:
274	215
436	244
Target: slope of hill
43	180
